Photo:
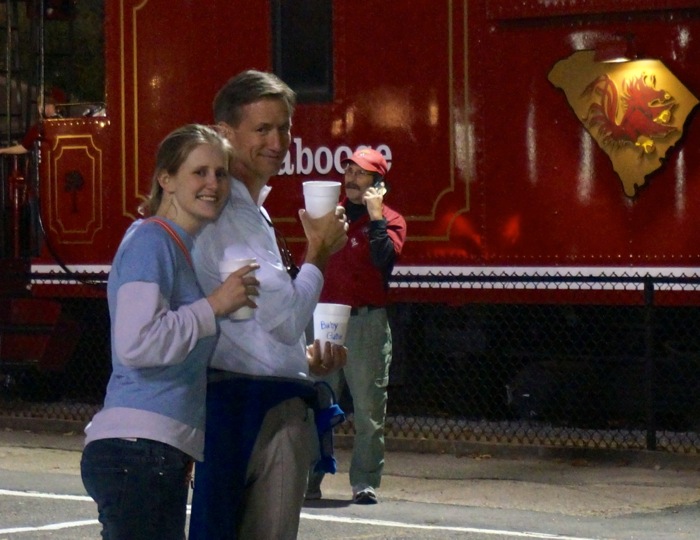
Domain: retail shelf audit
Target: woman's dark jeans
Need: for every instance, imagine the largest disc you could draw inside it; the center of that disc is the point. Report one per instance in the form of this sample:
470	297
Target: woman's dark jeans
140	488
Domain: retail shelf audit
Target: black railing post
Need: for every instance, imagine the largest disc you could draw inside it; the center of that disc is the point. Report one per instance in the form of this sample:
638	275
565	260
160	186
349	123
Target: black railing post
649	367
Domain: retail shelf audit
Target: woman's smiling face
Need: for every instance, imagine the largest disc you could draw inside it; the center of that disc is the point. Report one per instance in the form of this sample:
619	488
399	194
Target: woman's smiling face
198	190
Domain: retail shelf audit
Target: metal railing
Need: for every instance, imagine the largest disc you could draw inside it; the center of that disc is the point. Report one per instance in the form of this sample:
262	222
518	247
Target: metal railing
567	359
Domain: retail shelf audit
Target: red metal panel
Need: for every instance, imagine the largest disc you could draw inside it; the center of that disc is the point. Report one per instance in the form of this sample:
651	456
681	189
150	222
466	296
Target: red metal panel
540	206
165	61
76	188
399	87
36	332
489	164
508	9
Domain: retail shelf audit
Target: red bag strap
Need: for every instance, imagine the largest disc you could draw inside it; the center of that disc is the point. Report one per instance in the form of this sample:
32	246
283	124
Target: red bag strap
175	236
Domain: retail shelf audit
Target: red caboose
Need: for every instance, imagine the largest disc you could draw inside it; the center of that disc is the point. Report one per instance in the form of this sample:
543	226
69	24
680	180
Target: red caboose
491	160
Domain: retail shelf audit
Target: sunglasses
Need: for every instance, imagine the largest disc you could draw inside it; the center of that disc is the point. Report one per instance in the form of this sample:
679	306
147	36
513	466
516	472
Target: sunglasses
287	259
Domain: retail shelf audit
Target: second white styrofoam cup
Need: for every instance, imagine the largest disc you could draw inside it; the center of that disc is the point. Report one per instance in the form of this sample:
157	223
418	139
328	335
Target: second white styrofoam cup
226	268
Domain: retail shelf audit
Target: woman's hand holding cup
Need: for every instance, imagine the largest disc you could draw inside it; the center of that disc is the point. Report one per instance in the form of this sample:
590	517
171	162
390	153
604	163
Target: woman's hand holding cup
236	291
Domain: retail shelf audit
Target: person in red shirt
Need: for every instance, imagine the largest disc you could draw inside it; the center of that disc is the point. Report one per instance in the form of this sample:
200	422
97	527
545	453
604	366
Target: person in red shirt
358	275
34	132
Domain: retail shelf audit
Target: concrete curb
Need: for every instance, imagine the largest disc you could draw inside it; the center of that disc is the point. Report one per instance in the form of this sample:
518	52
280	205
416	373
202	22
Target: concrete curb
633	458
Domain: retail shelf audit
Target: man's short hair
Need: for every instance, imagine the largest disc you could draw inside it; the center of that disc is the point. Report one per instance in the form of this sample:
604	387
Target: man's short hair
248	87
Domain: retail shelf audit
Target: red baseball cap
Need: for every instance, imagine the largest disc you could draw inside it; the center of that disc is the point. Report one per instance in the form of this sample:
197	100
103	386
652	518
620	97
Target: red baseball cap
369	159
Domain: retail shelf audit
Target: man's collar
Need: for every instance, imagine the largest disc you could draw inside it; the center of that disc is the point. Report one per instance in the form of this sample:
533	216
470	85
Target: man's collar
354	211
264	192
241	189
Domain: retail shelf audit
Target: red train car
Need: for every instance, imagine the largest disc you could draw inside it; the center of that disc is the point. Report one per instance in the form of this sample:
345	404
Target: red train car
509	132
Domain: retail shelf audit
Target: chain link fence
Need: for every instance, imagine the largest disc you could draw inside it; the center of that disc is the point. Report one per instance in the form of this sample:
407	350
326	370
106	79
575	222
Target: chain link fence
587	361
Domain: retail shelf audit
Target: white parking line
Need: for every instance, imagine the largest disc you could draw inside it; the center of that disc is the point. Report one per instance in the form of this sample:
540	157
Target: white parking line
38	495
52	527
402	525
304	515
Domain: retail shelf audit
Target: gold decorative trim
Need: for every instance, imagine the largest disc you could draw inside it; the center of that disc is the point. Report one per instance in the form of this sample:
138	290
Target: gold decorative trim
62	144
465	162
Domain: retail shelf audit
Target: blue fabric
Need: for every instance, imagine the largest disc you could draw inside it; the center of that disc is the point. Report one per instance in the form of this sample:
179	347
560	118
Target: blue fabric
140	488
328	414
327	419
236	407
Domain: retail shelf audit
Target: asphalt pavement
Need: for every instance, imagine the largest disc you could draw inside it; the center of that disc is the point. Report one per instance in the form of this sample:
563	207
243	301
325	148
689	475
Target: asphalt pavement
482	476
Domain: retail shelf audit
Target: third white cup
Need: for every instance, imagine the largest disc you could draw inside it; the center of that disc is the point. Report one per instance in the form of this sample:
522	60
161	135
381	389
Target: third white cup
226	268
331	323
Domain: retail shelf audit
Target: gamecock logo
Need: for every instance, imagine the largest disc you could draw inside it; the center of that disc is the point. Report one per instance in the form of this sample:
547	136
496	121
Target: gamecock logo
635	110
646	111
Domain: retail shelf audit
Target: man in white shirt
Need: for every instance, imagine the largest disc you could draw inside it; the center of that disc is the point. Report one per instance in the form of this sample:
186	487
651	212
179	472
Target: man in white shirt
258	444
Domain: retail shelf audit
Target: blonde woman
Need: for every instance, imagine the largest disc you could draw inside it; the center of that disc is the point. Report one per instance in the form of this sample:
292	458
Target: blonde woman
140	447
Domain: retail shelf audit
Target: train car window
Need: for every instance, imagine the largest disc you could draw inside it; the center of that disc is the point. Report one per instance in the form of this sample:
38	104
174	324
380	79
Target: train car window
302	33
